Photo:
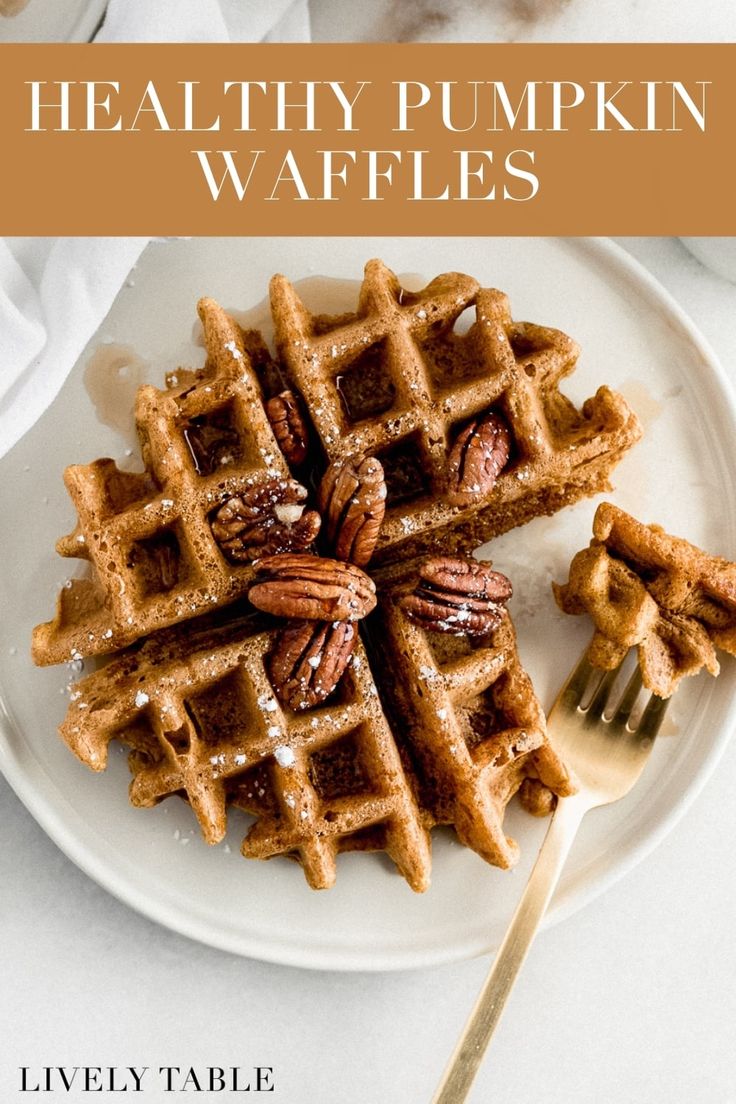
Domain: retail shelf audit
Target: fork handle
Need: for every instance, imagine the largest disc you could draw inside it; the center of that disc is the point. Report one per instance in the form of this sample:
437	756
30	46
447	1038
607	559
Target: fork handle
468	1055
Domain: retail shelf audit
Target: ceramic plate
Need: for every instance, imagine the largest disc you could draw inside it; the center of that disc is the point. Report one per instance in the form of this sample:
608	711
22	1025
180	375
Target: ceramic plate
634	338
54	21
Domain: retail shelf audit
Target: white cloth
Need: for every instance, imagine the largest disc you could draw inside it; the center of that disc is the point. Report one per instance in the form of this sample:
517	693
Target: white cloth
205	21
54	292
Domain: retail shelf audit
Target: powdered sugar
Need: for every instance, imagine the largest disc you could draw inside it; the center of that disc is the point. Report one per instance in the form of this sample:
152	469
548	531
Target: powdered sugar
284	756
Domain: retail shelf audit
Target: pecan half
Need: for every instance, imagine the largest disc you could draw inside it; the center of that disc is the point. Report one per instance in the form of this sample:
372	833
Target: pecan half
289	427
477	458
352	501
309	660
266	518
312	588
461	597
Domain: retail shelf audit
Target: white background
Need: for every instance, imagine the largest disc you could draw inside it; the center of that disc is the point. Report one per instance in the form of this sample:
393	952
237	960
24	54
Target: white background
631	1001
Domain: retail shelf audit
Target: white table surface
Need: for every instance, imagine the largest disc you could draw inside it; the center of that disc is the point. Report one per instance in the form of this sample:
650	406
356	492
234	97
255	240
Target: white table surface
631	1001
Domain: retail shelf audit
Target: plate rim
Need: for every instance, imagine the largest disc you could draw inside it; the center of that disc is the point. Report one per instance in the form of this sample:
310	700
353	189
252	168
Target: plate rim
244	944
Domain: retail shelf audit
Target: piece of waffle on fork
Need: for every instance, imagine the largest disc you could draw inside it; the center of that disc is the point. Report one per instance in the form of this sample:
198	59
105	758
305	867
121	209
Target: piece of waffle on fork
660	594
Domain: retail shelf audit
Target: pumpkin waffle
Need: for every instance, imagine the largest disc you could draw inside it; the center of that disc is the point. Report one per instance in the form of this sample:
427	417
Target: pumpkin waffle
475	731
202	720
646	589
395	380
149	536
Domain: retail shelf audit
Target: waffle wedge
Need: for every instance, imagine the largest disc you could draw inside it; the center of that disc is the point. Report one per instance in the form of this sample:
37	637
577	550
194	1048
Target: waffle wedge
150	537
197	710
474	729
395	380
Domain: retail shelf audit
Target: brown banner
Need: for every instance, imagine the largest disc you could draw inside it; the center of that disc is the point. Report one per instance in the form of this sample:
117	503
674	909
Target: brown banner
380	139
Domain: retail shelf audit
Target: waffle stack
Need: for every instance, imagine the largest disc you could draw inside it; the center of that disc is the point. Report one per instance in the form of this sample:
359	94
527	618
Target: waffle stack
397	381
430	723
149	536
646	589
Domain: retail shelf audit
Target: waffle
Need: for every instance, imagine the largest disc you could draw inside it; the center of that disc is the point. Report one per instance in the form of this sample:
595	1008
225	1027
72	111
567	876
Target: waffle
658	593
201	718
475	732
395	380
147	536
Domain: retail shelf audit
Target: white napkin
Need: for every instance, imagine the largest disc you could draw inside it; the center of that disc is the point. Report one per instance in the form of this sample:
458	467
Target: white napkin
205	21
54	292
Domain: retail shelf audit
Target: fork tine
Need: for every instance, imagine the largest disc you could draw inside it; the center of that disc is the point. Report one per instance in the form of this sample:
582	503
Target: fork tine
628	699
574	688
598	702
652	717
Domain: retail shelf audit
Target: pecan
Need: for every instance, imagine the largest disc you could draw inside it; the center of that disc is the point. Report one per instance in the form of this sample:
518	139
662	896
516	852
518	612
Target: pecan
312	588
477	458
309	660
462	597
288	425
266	517
352	501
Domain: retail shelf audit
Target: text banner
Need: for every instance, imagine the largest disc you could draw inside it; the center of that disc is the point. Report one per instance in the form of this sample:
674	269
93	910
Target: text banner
380	139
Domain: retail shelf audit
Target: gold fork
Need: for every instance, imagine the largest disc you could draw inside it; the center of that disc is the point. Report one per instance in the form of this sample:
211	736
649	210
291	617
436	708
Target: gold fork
607	754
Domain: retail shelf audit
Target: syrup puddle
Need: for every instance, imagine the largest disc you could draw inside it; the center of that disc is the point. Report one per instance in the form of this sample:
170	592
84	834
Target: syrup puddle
112	377
642	402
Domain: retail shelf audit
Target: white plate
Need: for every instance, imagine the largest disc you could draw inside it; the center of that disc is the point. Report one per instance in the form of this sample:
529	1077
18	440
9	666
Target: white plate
54	21
635	338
